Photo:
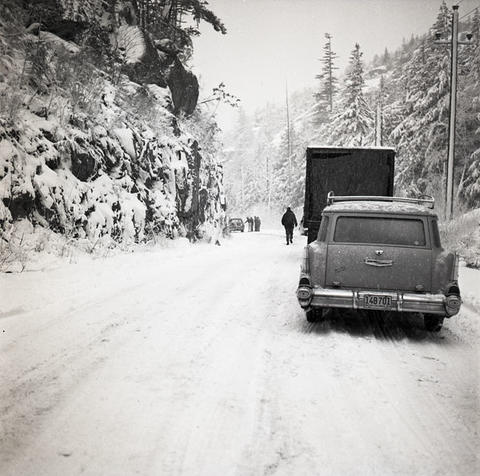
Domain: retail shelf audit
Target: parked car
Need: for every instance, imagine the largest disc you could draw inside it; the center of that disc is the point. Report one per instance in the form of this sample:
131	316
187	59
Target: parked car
236	224
379	253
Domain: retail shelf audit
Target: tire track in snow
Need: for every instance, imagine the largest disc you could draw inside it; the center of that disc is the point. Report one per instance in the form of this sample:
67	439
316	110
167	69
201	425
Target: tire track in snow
221	374
42	386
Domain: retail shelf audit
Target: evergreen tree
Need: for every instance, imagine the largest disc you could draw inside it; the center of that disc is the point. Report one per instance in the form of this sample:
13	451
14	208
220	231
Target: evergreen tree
469	181
386	58
352	125
442	24
415	97
328	85
165	19
421	135
289	170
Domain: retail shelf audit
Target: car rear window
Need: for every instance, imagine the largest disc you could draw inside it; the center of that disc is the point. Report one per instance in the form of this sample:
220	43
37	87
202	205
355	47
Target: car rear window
389	231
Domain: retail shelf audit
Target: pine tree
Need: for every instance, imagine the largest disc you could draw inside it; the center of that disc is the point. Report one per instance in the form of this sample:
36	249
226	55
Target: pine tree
352	125
442	24
469	117
328	86
386	58
289	170
165	19
421	136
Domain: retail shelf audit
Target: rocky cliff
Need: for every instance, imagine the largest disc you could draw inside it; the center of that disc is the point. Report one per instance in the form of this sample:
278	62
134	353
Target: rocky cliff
96	135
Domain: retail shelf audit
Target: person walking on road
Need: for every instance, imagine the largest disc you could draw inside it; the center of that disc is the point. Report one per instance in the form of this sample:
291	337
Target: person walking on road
289	221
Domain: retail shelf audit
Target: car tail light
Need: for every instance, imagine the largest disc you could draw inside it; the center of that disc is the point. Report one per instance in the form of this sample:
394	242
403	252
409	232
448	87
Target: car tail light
304	295
452	304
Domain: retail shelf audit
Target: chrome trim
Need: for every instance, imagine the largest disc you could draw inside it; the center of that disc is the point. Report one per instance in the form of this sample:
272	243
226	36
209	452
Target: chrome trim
402	301
380	263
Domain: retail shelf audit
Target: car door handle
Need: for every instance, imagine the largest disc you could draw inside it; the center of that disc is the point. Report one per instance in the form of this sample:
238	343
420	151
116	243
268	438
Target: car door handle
378	262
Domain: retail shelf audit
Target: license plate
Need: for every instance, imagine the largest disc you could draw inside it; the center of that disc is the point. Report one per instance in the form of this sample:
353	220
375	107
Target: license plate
379	302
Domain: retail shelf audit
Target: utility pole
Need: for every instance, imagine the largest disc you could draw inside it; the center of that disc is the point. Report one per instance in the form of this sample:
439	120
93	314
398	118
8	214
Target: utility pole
453	42
453	113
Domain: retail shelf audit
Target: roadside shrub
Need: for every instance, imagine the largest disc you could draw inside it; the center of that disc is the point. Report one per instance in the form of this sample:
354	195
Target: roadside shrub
462	235
14	251
77	79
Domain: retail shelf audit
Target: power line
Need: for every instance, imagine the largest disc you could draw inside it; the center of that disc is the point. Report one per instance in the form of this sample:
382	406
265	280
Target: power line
470	12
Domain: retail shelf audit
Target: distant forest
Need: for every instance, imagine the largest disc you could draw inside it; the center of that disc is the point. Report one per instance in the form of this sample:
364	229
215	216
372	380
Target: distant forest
406	90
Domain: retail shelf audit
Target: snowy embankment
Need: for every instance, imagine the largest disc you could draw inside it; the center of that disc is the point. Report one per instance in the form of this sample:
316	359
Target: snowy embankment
92	154
462	235
470	287
197	360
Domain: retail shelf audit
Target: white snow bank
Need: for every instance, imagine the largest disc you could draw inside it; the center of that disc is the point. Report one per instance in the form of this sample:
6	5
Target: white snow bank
463	236
469	281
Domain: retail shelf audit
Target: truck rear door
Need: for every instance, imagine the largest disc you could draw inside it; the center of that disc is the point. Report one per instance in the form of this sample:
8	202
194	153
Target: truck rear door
345	171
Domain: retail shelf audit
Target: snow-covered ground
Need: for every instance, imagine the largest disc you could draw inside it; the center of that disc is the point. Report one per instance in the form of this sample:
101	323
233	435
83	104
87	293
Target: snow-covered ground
197	360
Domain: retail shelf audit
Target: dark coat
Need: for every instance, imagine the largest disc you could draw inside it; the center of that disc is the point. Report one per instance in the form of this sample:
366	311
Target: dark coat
289	219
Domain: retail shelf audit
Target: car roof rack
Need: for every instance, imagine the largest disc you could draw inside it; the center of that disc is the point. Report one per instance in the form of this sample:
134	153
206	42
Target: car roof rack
426	200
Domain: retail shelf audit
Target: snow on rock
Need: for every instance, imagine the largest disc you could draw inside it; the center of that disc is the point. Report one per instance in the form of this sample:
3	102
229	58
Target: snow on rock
131	42
125	137
95	155
121	182
58	44
161	95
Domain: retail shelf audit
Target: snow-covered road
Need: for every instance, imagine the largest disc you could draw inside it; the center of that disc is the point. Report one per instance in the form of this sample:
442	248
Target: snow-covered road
197	360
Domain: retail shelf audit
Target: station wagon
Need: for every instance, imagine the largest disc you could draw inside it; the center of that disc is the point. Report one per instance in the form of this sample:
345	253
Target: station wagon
379	253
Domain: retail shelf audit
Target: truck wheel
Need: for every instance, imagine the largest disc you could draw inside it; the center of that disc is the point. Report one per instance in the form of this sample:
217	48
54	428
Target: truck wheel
432	322
314	314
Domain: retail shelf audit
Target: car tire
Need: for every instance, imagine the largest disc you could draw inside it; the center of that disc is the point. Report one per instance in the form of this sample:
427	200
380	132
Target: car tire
432	322
314	314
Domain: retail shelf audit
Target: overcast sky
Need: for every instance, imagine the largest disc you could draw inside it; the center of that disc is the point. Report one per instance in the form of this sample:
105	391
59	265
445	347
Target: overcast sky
271	42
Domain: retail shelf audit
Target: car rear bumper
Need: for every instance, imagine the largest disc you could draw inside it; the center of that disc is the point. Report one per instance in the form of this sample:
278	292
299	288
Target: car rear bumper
398	301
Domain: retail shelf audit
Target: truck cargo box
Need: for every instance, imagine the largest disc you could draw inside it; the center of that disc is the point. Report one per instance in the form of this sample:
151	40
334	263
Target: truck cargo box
345	171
